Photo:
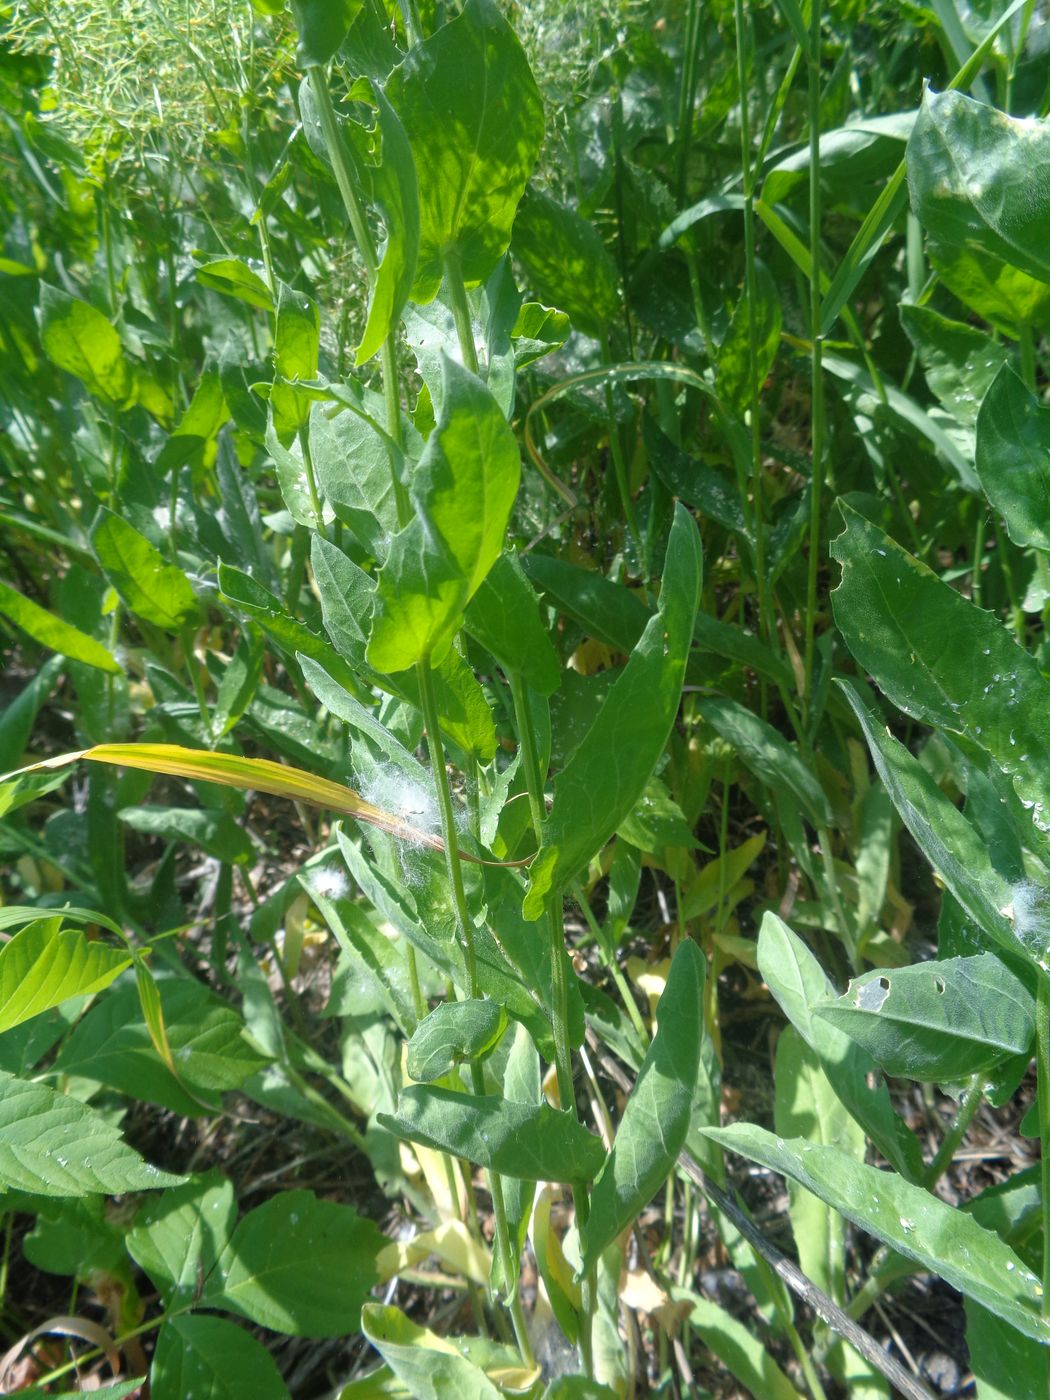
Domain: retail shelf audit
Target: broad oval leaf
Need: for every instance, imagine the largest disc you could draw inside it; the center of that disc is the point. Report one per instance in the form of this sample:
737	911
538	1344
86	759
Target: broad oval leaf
917	1224
79	339
937	1022
54	632
298	1265
942	660
454	1032
214	831
1013	458
462	492
153	589
532	1141
473	116
609	769
54	1145
179	1235
504	616
566	262
208	1356
238	278
322	26
655	1122
45	964
977	176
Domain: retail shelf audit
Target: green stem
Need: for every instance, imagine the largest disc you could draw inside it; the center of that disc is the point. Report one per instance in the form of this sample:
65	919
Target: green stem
978	553
457	290
609	959
750	293
453	864
971	1102
1042	1051
1026	345
816	354
343	171
555	931
311	477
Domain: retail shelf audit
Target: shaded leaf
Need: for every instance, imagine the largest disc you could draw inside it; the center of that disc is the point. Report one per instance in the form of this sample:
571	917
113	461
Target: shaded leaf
208	1356
1013	458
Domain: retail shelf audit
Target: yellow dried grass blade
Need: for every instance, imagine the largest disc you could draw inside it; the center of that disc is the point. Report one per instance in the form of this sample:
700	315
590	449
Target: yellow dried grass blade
257	774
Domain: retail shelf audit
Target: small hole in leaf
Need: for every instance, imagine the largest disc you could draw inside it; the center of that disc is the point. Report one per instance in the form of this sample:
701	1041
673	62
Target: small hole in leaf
938	982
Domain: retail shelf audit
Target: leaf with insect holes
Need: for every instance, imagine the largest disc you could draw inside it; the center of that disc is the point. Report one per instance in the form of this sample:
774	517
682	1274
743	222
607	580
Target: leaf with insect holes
937	1022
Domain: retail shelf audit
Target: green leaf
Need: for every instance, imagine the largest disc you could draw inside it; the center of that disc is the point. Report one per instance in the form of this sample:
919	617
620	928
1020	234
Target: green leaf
19	715
942	660
607	611
959	361
53	632
395	194
112	1045
609	769
705	488
1007	1365
322	26
297	335
1013	458
153	589
249	597
536	1142
908	1218
298	1265
44	965
655	1122
769	756
504	617
453	1032
462	492
738	1348
81	340
762	307
807	1106
1003	295
964	860
179	1235
238	278
214	831
566	261
429	1367
937	1022
208	1356
798	983
352	462
473	116
979	177
54	1145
